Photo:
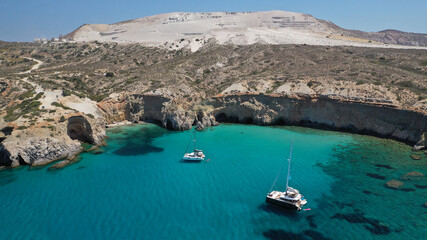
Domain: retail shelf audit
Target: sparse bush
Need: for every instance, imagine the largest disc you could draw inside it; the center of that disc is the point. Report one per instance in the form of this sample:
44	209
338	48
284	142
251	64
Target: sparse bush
25	95
57	104
66	93
109	74
405	84
97	98
37	56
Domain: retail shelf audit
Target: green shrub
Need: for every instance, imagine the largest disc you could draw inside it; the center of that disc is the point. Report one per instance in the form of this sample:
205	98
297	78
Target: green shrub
22	127
25	95
97	98
57	104
66	92
37	56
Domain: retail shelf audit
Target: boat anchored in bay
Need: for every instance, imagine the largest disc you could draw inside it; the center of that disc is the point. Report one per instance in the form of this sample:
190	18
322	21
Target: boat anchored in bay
196	155
290	198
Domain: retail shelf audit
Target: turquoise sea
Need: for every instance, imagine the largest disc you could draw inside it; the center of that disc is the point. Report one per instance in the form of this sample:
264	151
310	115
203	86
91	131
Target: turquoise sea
140	189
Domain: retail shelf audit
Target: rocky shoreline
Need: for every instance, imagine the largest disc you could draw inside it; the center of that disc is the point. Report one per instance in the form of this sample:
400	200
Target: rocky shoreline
260	109
378	119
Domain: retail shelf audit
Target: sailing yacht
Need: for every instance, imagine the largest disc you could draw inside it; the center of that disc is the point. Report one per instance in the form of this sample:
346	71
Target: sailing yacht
196	155
291	198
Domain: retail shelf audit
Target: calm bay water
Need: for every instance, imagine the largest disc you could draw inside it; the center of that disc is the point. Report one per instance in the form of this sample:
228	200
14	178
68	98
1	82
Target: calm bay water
139	189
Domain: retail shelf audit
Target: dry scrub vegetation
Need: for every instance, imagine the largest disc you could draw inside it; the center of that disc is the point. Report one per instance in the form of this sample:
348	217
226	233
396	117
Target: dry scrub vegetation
97	69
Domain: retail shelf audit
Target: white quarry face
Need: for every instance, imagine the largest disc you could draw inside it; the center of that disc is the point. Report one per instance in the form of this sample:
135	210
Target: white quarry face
174	31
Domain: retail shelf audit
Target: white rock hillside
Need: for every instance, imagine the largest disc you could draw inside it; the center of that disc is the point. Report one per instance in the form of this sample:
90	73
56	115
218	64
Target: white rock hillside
193	30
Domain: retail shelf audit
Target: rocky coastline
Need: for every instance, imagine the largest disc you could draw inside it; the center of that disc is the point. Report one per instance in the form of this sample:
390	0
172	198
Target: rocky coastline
37	148
378	119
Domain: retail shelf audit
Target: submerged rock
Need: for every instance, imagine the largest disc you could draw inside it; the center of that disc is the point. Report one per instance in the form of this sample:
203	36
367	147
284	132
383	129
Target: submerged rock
414	175
394	184
376	176
420	186
415	157
384	166
97	151
65	162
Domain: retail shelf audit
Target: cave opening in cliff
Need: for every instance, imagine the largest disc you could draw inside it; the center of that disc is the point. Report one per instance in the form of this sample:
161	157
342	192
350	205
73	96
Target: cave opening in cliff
169	124
79	128
280	121
248	120
21	160
222	117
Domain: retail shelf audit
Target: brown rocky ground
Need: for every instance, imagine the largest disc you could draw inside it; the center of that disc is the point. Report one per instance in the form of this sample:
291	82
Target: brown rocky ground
98	69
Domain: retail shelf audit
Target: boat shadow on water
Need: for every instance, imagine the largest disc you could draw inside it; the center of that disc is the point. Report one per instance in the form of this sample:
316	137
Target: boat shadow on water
191	161
278	210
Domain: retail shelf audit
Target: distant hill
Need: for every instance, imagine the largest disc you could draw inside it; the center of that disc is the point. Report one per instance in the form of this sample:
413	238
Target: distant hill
193	30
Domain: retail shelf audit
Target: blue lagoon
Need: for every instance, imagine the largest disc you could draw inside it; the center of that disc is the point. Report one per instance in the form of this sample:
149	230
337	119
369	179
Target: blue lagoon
140	189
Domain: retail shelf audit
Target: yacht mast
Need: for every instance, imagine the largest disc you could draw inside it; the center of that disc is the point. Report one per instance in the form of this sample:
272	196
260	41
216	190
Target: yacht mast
289	168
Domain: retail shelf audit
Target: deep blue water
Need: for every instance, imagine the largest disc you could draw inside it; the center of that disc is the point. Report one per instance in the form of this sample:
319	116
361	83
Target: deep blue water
139	189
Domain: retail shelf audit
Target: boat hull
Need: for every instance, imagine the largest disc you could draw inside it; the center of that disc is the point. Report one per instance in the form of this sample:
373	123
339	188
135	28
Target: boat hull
192	160
282	204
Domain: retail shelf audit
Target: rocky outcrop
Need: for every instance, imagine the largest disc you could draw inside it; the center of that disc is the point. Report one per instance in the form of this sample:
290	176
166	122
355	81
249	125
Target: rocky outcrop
38	151
422	143
166	112
38	146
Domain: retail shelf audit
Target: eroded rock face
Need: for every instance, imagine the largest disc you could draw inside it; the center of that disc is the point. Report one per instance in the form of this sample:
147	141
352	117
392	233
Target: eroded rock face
78	128
359	117
38	151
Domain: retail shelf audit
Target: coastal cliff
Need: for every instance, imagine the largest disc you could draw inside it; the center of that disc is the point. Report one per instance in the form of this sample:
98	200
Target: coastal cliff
272	109
358	117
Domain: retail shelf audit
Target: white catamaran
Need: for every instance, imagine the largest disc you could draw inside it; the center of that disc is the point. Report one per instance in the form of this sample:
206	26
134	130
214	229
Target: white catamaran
196	155
291	198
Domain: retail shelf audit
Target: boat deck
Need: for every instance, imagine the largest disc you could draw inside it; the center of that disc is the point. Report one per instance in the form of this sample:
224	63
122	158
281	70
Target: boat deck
274	195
